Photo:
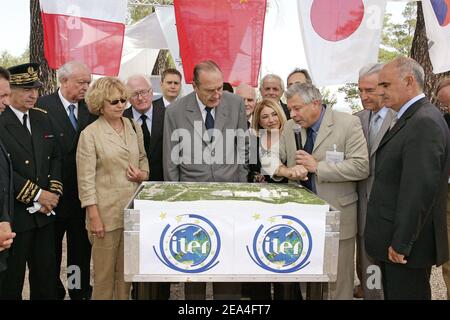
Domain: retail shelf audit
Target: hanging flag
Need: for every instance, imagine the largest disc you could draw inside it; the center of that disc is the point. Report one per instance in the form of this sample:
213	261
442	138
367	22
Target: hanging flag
437	23
84	30
340	37
227	32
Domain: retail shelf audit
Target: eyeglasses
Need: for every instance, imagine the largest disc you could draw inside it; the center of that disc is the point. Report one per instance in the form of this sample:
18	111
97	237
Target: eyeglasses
114	102
143	94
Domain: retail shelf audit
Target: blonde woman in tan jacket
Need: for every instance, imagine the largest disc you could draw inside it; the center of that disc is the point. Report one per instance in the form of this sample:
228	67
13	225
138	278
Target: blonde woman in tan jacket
111	162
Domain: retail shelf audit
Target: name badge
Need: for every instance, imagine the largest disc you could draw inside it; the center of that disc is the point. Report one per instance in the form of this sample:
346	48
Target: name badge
334	156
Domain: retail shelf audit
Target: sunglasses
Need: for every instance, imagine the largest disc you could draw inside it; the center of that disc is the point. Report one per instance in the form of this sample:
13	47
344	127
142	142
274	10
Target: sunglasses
114	102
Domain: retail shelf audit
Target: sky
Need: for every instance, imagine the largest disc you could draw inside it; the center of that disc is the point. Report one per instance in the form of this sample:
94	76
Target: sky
15	28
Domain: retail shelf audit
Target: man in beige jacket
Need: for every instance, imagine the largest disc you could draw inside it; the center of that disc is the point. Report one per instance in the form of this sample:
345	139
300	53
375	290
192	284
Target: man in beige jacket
332	176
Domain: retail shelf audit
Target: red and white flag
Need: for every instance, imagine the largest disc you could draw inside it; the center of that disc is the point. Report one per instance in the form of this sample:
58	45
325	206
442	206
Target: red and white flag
340	37
228	32
90	31
437	22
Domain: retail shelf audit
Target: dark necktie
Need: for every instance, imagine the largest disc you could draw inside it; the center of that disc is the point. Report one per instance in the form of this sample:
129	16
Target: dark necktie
24	123
145	132
209	120
72	117
308	147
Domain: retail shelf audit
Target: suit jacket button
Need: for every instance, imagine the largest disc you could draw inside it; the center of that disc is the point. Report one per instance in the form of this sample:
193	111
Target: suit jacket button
213	153
61	134
27	162
48	176
48	157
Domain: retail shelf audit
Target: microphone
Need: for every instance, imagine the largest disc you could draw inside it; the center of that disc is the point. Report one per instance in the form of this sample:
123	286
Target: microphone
298	136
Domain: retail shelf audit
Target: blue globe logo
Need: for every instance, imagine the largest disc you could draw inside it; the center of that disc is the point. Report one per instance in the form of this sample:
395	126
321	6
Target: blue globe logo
190	244
283	245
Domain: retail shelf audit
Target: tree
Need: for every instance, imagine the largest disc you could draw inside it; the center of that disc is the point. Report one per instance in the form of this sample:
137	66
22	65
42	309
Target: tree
47	75
419	52
8	60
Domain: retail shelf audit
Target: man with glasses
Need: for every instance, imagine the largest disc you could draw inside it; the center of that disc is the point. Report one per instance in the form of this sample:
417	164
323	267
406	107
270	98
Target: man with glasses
150	117
69	115
375	120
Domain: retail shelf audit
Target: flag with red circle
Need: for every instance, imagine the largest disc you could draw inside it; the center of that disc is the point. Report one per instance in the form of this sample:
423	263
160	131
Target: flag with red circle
340	37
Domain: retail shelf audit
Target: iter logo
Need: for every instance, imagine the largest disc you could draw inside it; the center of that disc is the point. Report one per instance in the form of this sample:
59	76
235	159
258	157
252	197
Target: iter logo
283	244
191	246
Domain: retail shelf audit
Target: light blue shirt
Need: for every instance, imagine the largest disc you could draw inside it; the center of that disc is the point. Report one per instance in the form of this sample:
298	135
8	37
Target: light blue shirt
409	104
137	118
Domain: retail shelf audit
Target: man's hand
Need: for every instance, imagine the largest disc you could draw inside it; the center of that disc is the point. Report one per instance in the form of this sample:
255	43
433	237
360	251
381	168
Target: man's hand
6	235
293	173
396	257
303	158
48	200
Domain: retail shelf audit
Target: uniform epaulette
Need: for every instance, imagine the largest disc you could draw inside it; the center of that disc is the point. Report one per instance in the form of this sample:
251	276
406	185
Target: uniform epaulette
39	109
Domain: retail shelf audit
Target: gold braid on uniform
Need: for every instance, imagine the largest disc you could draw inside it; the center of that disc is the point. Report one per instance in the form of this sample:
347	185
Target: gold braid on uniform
56	186
39	109
28	192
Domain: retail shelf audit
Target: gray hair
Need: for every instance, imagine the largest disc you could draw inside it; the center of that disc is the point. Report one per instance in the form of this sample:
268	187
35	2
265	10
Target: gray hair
271	76
139	76
307	91
67	69
407	65
370	69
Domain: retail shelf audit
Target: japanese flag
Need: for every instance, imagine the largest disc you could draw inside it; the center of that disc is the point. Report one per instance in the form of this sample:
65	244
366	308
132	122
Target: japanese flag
340	37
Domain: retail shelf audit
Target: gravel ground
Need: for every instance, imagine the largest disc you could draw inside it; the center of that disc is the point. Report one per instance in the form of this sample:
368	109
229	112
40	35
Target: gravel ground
439	291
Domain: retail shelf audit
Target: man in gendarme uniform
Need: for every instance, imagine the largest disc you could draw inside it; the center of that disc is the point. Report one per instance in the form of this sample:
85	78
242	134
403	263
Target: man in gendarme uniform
30	142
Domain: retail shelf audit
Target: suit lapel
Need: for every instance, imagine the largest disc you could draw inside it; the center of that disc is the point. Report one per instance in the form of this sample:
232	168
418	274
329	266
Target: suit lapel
383	129
365	121
194	115
59	112
83	115
112	135
324	129
401	122
37	136
15	128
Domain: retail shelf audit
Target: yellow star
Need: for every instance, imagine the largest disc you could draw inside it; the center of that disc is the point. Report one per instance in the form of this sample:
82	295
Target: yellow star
272	219
256	216
289	222
243	1
179	218
163	215
197	221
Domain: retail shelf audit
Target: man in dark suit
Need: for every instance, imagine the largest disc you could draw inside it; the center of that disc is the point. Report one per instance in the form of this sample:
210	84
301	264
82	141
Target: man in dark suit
205	113
6	187
272	87
151	119
406	227
142	109
443	96
170	86
69	115
29	139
